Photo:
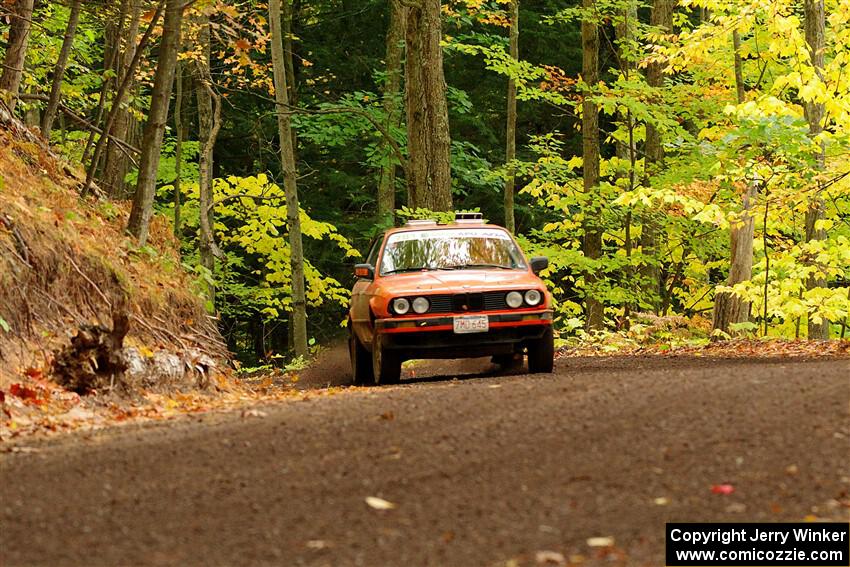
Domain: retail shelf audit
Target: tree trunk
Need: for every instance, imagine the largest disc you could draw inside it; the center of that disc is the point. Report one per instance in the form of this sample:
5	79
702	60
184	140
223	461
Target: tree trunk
289	53
115	167
209	123
16	51
592	245
178	147
126	80
113	34
59	70
288	12
815	24
429	183
287	154
740	88
32	116
510	130
661	18
391	90
730	309
627	151
140	215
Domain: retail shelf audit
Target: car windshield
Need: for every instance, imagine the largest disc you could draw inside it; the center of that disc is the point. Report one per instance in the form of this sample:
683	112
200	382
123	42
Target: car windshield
450	249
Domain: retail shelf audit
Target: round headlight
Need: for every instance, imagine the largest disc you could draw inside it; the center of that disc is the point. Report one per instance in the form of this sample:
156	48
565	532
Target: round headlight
533	297
514	299
421	305
401	306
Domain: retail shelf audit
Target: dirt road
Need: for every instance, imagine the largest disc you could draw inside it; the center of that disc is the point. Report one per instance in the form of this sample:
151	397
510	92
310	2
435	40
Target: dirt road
482	470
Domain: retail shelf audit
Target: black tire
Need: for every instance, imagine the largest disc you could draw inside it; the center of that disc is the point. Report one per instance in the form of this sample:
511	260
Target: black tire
386	364
541	353
361	362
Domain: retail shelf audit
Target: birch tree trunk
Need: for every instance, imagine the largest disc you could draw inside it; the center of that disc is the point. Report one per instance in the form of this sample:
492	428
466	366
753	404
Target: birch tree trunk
59	70
661	18
140	215
287	154
391	91
815	38
729	309
16	51
510	130
429	181
592	245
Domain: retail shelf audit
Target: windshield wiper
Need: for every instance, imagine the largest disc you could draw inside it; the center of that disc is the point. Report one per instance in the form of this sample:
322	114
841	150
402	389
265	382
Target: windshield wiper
475	266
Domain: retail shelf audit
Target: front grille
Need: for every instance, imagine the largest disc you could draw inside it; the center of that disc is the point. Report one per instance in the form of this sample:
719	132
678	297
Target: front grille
495	300
440	303
488	301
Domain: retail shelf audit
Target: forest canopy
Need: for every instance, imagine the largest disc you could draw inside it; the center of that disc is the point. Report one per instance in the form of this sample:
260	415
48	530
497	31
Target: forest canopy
680	160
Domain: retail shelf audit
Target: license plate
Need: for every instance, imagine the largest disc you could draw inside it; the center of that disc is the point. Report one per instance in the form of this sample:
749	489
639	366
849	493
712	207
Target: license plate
471	324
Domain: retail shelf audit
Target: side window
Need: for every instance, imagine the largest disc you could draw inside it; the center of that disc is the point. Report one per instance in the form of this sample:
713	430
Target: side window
373	251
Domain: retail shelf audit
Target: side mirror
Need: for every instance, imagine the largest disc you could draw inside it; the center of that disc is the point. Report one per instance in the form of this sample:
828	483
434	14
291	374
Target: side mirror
539	263
366	271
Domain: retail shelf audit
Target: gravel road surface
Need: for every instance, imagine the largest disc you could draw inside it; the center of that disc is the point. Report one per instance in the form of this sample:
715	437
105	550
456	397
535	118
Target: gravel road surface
483	470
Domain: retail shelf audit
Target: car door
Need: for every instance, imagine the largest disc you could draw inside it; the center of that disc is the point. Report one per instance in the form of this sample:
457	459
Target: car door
361	293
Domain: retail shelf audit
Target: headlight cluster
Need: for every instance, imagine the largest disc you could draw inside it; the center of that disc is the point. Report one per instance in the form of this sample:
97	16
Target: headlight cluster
402	306
515	299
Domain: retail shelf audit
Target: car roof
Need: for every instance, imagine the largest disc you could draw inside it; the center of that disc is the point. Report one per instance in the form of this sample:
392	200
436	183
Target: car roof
451	225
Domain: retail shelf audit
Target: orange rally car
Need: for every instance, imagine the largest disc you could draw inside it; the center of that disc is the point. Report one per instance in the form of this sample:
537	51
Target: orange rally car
457	290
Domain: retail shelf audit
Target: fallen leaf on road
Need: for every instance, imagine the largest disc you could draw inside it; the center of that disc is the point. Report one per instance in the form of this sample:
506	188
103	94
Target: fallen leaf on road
254	413
379	503
601	541
661	501
317	544
388	416
722	489
549	558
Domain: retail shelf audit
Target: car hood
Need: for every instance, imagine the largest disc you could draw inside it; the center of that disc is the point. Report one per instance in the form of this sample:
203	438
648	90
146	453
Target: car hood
459	281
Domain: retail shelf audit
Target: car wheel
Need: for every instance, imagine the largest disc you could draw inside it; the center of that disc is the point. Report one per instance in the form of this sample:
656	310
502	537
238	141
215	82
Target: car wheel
541	353
361	362
386	365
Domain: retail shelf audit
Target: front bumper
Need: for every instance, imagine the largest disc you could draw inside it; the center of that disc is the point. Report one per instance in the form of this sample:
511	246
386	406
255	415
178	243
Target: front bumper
434	337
